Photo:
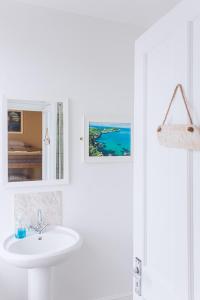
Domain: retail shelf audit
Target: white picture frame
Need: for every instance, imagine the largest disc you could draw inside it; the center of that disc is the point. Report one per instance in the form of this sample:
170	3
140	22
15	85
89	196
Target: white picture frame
103	120
36	105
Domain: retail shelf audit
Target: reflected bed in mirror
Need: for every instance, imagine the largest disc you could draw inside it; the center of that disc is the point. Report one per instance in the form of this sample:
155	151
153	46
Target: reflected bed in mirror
37	141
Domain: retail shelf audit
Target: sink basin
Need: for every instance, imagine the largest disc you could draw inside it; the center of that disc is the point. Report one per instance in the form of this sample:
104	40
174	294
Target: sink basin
38	253
52	247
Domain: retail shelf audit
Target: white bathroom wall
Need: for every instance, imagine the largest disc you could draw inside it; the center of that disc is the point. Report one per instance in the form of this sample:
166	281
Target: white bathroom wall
46	53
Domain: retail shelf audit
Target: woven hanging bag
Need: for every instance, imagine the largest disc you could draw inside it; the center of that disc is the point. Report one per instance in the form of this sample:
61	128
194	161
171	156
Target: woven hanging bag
185	136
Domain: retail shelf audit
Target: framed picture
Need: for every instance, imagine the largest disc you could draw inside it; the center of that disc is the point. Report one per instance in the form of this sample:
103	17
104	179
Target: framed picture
107	139
15	121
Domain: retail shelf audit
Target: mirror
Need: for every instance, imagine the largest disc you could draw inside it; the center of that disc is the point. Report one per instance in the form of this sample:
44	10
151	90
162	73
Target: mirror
36	141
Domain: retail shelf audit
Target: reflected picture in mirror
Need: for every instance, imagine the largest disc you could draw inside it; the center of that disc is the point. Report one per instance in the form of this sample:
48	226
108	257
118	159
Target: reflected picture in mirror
15	121
35	141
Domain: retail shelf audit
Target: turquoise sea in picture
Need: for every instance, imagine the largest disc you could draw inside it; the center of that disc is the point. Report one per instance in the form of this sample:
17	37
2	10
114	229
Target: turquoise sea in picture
109	139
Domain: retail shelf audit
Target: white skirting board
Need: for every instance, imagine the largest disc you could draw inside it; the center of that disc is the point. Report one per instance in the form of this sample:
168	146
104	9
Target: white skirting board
118	297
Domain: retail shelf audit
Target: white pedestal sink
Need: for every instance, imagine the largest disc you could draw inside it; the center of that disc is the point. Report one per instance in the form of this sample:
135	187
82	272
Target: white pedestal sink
38	253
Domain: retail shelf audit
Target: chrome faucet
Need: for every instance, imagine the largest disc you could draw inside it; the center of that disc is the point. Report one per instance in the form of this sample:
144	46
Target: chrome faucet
39	218
39	227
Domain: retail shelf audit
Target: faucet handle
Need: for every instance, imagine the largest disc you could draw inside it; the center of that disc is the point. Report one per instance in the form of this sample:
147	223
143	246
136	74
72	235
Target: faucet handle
37	229
42	229
31	227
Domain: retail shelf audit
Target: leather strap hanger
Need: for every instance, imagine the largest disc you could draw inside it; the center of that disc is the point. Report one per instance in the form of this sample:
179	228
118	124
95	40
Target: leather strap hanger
179	86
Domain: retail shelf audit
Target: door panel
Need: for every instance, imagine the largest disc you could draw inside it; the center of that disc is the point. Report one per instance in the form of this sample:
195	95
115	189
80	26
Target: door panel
165	179
166	188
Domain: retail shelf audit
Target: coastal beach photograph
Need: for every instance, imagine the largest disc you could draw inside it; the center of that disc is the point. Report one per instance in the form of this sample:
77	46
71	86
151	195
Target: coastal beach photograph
109	139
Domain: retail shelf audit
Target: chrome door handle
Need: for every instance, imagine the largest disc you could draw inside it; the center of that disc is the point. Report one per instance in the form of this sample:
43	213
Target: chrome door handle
137	271
138	276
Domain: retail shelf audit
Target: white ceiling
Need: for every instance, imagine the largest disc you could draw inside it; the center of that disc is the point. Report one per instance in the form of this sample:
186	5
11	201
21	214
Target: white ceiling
140	13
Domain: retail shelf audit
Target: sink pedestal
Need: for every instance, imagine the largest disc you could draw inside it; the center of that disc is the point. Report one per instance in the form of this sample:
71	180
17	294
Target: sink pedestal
39	284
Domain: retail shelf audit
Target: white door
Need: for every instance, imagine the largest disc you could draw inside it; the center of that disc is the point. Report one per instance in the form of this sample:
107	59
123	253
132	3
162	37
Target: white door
167	181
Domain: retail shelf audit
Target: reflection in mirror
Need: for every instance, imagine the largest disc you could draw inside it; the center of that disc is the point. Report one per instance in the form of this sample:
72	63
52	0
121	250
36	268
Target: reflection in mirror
35	141
24	145
59	143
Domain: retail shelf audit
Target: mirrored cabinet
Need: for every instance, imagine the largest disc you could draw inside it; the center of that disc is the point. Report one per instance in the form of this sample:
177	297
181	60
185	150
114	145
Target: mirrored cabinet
36	141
